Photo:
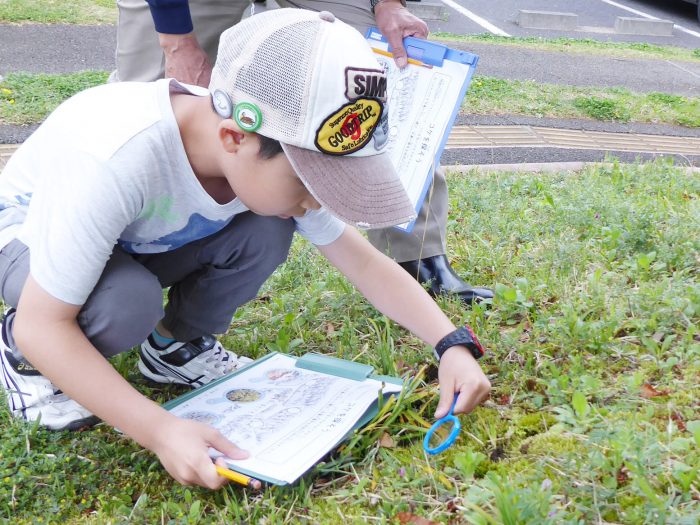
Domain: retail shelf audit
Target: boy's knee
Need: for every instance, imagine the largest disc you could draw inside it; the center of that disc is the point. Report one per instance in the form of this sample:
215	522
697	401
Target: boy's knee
261	241
123	315
275	237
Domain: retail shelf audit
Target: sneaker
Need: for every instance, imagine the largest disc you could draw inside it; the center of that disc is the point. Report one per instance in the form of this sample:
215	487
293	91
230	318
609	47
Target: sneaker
33	397
194	363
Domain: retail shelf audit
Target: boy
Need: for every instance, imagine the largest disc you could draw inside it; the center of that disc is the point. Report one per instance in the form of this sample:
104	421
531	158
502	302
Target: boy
129	188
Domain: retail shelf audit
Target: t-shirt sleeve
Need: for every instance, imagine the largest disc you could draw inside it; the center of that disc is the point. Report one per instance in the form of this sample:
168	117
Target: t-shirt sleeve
319	227
75	218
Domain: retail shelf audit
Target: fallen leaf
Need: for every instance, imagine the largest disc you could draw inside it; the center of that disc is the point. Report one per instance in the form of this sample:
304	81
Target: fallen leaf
453	504
386	441
675	416
622	475
648	391
330	329
406	518
504	399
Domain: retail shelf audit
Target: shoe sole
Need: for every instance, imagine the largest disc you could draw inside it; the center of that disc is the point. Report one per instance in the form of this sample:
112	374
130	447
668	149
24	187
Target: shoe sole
78	424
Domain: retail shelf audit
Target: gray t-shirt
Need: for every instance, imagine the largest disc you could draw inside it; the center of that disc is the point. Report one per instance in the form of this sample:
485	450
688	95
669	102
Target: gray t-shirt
109	167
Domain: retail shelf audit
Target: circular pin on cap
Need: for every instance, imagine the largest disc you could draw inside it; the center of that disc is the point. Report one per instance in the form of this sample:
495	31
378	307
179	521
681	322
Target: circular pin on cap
327	16
248	116
222	103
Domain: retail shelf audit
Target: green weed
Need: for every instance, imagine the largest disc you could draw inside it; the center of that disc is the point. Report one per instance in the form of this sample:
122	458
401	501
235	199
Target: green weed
28	98
489	95
602	109
58	11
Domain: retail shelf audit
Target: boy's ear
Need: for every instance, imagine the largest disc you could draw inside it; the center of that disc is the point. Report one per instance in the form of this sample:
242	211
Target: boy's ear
230	135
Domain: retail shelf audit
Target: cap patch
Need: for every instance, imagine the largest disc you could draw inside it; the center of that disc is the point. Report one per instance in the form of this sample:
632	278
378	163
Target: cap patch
350	128
367	83
248	116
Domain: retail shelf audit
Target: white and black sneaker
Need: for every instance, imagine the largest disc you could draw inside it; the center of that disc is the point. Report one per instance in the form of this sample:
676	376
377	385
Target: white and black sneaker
33	397
194	363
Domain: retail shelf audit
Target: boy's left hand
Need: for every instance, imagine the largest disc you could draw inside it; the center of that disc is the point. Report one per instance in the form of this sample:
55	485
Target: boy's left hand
460	373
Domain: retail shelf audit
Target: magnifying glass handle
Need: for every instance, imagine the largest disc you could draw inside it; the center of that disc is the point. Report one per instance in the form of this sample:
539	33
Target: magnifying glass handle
449	418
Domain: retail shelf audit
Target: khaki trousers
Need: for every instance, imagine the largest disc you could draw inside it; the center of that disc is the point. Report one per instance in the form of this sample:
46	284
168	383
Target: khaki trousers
139	58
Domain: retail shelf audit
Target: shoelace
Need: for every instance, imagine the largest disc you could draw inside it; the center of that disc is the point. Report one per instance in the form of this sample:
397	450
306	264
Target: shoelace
221	357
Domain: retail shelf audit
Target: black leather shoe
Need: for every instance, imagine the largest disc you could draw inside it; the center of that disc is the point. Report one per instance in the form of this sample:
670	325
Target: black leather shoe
440	278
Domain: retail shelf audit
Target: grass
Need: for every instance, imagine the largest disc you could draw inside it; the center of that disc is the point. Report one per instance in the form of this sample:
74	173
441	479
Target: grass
488	95
88	12
594	354
29	98
639	50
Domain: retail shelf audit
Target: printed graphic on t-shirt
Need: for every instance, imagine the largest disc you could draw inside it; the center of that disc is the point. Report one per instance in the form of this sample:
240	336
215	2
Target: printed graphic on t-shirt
197	227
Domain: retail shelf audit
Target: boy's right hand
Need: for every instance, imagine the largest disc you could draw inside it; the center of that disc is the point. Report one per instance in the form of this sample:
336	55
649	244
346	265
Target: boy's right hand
182	447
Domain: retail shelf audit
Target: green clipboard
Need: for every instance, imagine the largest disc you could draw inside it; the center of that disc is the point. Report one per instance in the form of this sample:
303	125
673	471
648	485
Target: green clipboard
314	362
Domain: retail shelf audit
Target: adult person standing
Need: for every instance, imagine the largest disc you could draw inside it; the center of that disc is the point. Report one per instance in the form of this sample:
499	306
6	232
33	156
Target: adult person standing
184	46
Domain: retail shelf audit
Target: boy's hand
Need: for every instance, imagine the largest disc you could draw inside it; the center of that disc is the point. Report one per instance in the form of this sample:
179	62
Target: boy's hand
183	451
460	373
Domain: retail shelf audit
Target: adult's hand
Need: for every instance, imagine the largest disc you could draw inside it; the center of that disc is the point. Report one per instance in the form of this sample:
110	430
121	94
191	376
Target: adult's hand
396	22
185	60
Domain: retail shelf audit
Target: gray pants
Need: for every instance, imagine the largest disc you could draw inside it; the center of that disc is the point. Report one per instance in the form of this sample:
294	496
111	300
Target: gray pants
139	58
208	280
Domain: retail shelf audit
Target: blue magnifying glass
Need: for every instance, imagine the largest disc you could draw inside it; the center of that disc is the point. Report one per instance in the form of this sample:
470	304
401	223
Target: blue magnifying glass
443	432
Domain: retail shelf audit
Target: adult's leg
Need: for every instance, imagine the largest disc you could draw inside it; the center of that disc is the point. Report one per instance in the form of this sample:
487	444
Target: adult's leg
138	54
421	252
210	278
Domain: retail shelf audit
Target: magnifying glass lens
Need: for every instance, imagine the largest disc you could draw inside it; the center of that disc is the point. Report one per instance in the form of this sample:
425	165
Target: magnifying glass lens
441	434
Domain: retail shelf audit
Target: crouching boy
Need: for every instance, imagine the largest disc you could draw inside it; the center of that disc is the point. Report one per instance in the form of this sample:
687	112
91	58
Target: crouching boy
133	187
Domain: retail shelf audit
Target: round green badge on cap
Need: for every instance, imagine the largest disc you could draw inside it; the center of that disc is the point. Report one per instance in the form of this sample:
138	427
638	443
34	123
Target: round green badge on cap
248	116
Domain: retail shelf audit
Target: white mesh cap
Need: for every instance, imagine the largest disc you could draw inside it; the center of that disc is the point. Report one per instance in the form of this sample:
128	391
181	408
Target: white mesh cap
321	93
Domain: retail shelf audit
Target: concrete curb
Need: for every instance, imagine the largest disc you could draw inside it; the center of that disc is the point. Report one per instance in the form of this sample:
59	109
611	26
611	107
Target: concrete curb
539	167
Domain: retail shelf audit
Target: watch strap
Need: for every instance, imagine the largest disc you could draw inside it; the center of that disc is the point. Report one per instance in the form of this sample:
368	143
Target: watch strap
462	336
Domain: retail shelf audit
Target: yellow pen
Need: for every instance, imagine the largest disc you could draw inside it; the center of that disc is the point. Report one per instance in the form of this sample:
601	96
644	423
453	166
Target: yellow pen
410	60
239	478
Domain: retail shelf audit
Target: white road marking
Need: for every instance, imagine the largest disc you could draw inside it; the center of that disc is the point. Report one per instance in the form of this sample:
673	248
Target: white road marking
683	69
476	18
651	17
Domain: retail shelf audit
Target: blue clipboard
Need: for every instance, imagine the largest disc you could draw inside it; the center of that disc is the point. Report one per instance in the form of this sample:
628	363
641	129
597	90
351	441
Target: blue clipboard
433	54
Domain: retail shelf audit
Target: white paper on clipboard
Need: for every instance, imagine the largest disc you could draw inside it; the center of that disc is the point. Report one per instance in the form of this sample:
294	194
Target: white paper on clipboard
423	101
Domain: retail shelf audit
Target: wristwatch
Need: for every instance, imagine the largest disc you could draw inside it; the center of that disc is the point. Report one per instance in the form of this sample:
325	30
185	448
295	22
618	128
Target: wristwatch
462	336
373	3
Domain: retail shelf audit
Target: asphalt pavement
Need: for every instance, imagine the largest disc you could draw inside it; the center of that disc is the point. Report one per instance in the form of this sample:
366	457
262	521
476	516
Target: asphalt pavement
70	48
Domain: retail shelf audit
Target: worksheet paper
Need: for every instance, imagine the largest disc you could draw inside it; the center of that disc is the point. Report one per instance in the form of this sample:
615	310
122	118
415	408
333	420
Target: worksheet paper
286	417
421	104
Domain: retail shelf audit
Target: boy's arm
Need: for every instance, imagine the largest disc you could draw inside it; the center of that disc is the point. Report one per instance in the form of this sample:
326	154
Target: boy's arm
395	293
47	333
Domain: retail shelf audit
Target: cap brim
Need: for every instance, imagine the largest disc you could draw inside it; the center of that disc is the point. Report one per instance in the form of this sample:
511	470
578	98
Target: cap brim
363	191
